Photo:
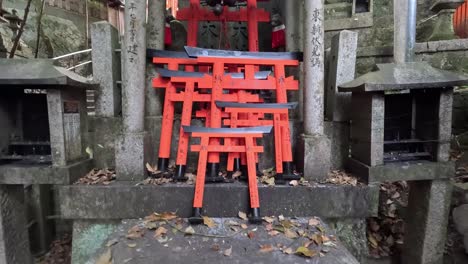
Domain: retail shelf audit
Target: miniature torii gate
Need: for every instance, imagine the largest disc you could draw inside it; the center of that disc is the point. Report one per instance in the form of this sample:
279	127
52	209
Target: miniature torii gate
251	14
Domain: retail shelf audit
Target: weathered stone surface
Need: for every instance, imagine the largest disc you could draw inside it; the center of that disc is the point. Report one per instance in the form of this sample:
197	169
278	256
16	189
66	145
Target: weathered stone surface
106	130
341	70
402	171
460	218
316	153
339	141
14	240
427	218
130	156
199	249
88	237
221	200
106	69
352	232
43	174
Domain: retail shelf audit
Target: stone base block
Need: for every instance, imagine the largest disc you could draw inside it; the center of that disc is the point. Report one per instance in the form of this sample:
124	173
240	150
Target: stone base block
106	130
14	240
339	139
130	156
427	219
153	126
352	232
314	157
220	200
402	171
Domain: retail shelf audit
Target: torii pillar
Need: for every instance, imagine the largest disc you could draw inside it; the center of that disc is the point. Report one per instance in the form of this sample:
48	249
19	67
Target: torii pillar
314	146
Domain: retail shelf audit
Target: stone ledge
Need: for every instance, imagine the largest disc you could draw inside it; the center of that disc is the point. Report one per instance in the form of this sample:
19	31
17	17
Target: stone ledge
44	174
221	200
424	170
357	21
423	47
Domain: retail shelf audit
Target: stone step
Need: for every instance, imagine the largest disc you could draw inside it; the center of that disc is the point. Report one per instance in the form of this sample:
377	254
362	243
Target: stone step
94	241
125	200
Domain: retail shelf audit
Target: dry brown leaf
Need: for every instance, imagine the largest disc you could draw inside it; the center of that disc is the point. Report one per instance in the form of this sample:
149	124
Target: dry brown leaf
294	183
290	234
112	242
317	239
286	223
266	248
269	227
314	222
236	174
268	219
160	232
215	247
251	234
303	251
280	218
152	169
189	230
288	251
131	245
105	258
244	226
227	252
233	223
208	222
273	233
307	244
135	232
242	215
373	241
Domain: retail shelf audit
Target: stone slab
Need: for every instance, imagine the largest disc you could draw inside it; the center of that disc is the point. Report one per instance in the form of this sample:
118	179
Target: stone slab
130	156
427	218
106	129
403	171
14	240
316	153
199	249
44	174
221	200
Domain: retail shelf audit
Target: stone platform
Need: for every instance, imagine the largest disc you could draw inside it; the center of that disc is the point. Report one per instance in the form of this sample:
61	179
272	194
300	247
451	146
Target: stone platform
227	242
221	200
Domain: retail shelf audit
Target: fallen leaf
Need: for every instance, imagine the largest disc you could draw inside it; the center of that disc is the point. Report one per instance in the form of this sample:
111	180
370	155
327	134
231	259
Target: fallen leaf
105	258
294	183
233	223
286	223
244	226
320	228
160	232
152	169
268	219
280	217
303	251
135	232
189	230
290	234
236	174
314	222
112	242
266	248
288	251
273	233
269	227
132	245
151	225
242	216
208	222
227	252
373	241
251	234
317	239
215	247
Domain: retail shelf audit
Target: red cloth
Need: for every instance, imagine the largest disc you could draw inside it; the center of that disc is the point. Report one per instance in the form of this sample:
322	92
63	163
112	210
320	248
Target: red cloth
167	35
278	37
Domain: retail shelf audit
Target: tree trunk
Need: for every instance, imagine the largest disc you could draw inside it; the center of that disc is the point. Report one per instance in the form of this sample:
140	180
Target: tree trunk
39	24
20	32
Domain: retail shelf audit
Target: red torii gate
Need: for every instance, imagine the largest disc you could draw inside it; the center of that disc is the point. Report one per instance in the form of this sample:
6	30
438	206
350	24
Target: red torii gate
251	14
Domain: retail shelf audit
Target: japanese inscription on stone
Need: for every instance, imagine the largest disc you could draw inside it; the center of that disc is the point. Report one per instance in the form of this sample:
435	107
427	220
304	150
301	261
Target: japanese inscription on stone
316	37
132	46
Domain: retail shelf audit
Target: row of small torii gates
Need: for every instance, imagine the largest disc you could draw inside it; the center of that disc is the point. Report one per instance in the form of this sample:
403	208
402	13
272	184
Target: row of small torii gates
225	86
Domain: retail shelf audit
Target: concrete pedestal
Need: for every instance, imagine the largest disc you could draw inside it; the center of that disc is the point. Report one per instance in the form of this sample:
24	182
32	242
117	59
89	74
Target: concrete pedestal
14	240
106	129
130	156
426	223
316	154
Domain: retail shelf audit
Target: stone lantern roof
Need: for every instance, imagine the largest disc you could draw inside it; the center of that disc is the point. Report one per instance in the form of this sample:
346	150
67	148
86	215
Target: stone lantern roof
411	75
39	72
